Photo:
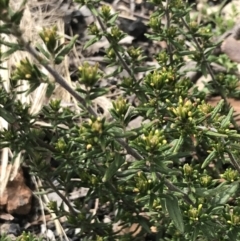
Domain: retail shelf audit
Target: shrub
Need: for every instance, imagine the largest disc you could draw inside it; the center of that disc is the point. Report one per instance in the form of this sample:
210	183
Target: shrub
177	175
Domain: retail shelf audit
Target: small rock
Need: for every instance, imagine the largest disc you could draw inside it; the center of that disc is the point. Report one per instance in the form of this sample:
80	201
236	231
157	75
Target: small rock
10	228
17	197
202	81
231	47
6	216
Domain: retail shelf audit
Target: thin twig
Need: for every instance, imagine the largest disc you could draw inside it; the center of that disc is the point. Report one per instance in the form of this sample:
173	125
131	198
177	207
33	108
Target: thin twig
65	200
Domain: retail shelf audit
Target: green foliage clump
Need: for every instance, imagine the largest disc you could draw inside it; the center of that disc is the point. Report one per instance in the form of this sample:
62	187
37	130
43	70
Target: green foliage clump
168	175
23	237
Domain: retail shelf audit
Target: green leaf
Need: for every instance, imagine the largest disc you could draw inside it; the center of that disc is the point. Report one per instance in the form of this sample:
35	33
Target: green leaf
209	230
175	212
203	192
234	135
91	42
216	210
93	10
33	86
8	53
43	51
204	70
7	116
23	3
115	72
127	172
16	18
113	168
65	50
113	18
59	48
50	89
138	164
210	157
152	197
215	134
114	114
233	233
140	69
143	222
186	52
188	19
150	111
11	45
95	93
81	91
217	108
195	234
5	28
162	167
177	144
230	191
210	49
226	121
126	134
235	146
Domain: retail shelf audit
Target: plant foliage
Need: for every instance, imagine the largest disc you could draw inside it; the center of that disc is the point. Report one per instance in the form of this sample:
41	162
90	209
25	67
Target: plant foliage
169	175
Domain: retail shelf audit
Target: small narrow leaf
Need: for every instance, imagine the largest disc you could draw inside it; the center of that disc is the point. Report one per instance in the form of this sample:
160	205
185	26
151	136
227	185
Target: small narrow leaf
150	111
113	168
113	18
16	18
143	69
187	52
203	192
95	93
226	121
50	89
217	109
91	42
178	144
66	49
126	134
210	157
233	233
33	86
215	134
143	222
11	45
127	172
7	116
93	10
175	212
8	53
229	192
43	51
